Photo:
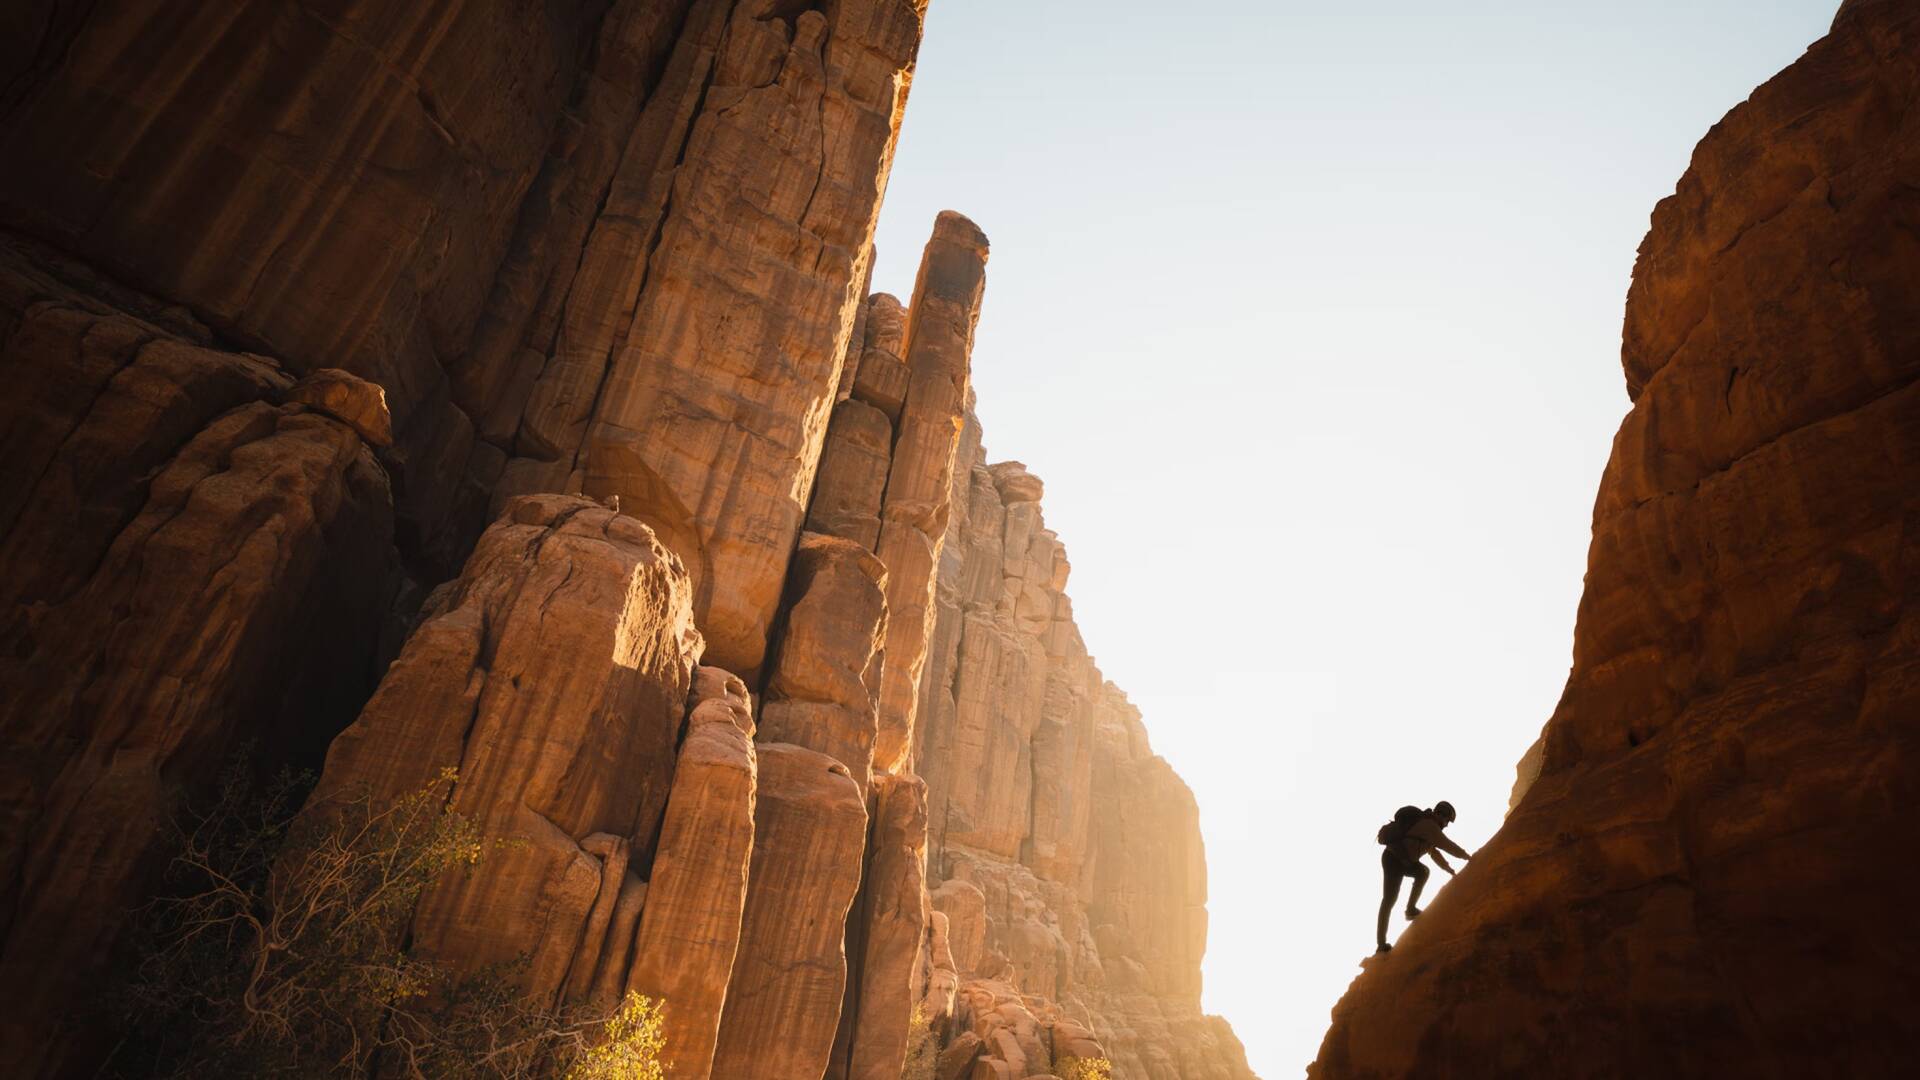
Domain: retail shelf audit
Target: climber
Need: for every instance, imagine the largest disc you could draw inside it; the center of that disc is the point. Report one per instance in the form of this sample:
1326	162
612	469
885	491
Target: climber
1412	833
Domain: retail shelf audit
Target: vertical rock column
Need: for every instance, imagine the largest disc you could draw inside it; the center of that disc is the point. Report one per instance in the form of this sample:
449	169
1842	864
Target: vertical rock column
697	363
890	924
783	1003
913	516
690	931
554	675
826	668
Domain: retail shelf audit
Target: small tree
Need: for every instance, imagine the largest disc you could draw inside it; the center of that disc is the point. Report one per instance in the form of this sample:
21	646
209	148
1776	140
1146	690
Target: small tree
279	950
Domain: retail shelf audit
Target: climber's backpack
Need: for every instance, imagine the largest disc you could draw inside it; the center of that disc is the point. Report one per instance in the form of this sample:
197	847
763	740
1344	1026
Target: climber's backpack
1396	830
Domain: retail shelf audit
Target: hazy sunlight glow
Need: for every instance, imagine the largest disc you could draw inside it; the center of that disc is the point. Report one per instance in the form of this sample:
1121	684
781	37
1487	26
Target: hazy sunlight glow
1309	315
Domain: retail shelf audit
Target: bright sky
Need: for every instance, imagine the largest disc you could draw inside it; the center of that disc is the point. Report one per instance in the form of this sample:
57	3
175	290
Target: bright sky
1309	316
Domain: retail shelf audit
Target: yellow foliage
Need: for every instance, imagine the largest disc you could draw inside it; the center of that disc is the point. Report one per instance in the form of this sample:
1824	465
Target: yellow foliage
922	1049
634	1037
1086	1069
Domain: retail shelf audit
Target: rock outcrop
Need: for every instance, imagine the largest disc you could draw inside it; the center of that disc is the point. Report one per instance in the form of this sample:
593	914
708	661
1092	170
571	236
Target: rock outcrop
1698	880
195	560
491	401
553	676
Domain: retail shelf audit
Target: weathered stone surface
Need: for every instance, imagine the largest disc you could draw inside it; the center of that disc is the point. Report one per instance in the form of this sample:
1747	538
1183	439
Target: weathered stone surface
820	694
337	191
783	1004
890	922
1698	883
853	474
690	931
881	379
789	121
938	353
189	565
359	404
554	676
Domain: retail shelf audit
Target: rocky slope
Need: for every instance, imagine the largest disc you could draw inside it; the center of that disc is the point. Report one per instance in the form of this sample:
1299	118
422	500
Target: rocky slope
495	388
1705	876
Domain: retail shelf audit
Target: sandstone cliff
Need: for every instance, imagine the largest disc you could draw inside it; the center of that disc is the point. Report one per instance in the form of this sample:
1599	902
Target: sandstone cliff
497	389
1704	874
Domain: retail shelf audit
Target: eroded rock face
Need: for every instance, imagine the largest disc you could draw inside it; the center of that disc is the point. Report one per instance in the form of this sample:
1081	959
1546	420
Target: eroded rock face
789	979
553	675
681	361
193	560
694	902
939	348
1697	881
334	191
820	694
1068	878
620	248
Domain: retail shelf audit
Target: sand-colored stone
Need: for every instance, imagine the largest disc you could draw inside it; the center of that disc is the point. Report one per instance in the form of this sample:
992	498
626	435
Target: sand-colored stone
938	352
709	418
853	474
1698	881
690	930
554	676
890	924
189	566
820	694
789	978
881	379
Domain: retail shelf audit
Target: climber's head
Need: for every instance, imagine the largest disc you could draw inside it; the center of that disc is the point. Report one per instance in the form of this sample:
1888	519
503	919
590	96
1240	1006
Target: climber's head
1444	811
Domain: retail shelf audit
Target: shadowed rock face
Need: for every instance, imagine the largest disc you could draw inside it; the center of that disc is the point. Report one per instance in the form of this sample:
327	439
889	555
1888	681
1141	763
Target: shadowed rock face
194	559
1706	878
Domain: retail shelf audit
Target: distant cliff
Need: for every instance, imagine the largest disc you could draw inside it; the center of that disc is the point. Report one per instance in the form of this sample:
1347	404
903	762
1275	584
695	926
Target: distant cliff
1695	879
402	388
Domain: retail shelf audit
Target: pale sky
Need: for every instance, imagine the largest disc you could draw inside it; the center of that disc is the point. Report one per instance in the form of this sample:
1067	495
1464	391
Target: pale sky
1308	314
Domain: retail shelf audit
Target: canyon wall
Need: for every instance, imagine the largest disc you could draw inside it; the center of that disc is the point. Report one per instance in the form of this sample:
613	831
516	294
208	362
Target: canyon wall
442	395
1704	873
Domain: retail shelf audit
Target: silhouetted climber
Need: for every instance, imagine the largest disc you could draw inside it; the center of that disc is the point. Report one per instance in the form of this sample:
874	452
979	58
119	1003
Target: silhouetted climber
1412	833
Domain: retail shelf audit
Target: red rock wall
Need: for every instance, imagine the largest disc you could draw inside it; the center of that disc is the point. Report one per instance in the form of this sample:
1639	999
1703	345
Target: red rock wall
1706	878
195	559
297	298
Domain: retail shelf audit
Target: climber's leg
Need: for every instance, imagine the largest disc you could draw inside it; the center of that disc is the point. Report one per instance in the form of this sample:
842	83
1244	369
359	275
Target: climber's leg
1419	882
1391	871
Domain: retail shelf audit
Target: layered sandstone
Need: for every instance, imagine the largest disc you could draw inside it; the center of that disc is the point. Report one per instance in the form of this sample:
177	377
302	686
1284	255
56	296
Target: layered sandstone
697	891
1698	883
553	677
532	352
197	555
671	381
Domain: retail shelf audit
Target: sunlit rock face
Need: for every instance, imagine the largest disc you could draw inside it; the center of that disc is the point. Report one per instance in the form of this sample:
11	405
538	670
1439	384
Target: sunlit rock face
1068	879
408	388
1701	880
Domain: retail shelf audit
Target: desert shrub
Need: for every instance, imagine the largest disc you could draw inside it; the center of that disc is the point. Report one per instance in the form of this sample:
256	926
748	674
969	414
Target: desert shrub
1086	1069
278	950
632	1040
923	1049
